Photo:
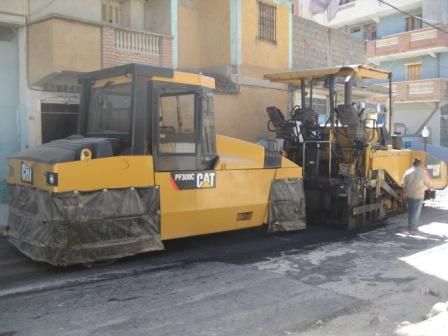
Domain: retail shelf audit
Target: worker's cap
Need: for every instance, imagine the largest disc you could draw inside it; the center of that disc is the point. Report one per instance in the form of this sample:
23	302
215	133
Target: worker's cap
416	162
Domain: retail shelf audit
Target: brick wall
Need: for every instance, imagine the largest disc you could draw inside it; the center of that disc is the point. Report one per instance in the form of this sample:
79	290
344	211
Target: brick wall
310	41
160	54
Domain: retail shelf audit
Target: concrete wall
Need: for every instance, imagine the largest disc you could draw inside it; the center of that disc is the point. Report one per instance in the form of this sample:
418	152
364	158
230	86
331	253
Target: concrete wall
83	9
244	115
443	65
413	116
260	57
430	67
392	24
158	16
12	7
12	12
204	29
215	33
189	32
57	45
397	68
204	34
435	10
310	41
133	14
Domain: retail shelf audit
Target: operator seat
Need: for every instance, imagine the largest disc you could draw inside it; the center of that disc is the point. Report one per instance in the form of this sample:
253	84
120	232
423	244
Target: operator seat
283	128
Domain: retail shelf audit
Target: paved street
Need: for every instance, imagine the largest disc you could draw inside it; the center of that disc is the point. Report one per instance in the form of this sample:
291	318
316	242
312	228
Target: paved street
318	282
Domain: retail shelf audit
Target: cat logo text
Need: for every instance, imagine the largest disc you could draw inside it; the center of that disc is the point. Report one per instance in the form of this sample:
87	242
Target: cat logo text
193	180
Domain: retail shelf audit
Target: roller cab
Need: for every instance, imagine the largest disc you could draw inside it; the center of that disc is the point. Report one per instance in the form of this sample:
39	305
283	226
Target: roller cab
145	167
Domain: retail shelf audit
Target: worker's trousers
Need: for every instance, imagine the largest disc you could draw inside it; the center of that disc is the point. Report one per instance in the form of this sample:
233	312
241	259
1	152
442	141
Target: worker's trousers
414	209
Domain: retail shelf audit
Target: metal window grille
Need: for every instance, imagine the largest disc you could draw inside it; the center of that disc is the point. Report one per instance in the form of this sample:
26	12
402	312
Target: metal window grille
267	22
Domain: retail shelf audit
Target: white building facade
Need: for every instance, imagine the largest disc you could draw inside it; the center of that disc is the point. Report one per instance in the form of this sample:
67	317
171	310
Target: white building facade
409	38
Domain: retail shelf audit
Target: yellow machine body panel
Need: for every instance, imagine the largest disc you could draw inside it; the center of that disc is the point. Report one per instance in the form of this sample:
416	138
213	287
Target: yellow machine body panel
394	162
40	171
89	175
288	169
188	78
178	78
238	154
239	200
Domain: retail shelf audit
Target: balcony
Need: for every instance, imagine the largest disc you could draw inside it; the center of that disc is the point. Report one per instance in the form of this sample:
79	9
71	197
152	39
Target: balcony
60	47
428	90
419	91
122	46
408	44
365	10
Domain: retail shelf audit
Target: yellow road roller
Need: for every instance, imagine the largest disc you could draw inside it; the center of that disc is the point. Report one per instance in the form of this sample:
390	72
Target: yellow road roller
146	166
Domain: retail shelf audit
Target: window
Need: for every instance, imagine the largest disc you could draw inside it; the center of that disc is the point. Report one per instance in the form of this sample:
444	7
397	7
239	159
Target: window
413	22
111	11
354	30
414	71
267	22
176	124
110	108
370	31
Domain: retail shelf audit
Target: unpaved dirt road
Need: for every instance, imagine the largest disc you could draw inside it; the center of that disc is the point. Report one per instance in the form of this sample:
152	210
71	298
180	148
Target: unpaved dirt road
318	282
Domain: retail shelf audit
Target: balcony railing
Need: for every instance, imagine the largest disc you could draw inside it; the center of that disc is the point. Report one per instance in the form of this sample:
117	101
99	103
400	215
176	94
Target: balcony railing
421	88
423	40
121	45
139	42
426	90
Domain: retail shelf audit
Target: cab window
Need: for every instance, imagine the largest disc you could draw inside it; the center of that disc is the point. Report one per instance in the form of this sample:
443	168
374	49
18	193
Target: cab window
177	124
110	109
